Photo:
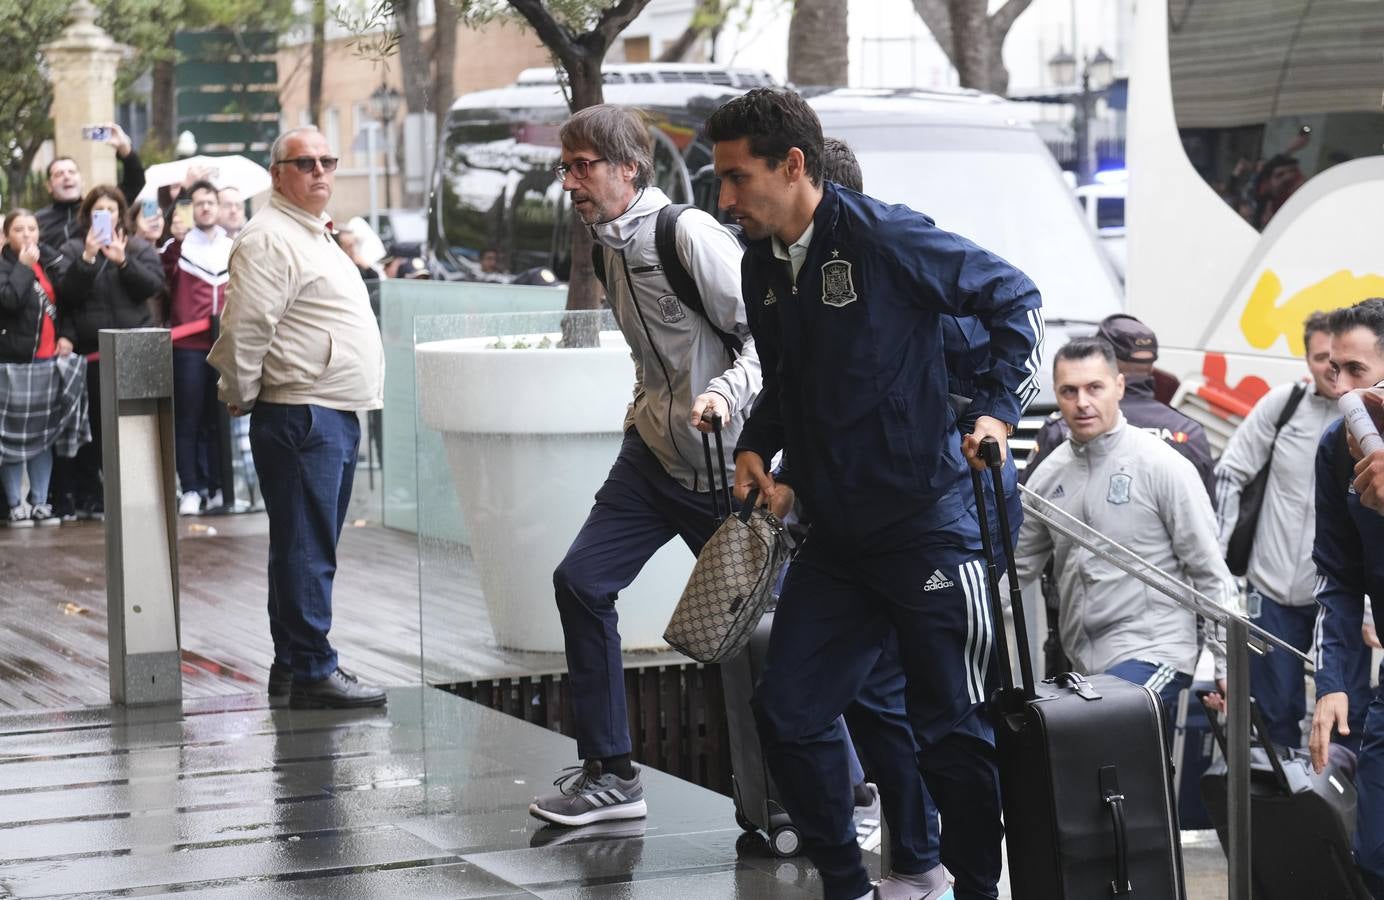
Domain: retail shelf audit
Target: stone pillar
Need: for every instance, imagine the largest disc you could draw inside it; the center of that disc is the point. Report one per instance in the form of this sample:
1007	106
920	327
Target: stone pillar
82	64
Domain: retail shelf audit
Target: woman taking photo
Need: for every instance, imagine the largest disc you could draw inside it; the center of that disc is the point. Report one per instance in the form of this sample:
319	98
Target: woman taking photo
111	276
30	336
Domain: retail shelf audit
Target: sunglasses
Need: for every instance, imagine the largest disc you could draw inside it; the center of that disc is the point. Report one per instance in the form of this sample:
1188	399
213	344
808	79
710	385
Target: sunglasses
306	164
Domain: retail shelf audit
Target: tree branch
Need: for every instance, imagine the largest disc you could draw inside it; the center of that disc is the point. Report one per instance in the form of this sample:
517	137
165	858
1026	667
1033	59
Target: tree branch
1004	17
553	35
937	18
614	20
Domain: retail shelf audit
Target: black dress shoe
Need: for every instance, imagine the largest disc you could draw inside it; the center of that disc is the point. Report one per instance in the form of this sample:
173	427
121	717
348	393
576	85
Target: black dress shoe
338	690
280	680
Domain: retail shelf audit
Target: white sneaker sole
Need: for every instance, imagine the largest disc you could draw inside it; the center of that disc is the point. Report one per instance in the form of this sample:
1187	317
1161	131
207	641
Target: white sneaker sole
635	810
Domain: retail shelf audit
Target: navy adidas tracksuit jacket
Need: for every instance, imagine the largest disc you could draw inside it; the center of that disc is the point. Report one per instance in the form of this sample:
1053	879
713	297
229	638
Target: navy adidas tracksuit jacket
855	378
1349	567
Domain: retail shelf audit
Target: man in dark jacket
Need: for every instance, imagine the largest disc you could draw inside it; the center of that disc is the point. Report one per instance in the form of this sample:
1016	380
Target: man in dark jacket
1349	569
847	295
57	222
105	287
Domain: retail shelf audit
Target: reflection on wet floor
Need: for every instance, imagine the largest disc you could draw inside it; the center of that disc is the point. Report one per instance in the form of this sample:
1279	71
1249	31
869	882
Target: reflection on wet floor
228	797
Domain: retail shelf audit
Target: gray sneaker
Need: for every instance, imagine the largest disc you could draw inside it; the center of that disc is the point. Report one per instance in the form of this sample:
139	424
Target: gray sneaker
586	794
19	517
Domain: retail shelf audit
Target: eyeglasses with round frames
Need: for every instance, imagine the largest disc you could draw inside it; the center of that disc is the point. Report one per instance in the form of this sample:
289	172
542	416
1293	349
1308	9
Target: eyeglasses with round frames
580	168
306	164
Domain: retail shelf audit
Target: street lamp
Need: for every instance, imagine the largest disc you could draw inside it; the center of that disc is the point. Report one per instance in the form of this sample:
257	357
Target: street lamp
1096	75
384	105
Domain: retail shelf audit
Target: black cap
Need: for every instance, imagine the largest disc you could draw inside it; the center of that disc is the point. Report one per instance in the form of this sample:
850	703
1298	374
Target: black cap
1133	340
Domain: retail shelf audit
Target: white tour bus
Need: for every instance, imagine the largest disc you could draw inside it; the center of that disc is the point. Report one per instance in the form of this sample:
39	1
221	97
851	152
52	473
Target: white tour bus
1226	266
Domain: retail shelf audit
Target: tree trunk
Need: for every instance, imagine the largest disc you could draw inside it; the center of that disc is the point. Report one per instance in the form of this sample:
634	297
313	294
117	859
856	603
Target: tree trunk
707	17
412	61
975	47
818	45
970	50
444	60
162	116
319	61
587	89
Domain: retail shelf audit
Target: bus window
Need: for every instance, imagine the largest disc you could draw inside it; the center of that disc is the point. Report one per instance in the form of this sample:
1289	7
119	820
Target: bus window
1263	112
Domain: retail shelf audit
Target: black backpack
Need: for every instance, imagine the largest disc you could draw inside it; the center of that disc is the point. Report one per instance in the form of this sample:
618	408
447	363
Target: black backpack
1252	495
681	281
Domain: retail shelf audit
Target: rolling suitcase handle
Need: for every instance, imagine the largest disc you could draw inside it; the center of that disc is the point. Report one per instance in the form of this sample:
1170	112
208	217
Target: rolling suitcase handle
990	454
715	420
1114	799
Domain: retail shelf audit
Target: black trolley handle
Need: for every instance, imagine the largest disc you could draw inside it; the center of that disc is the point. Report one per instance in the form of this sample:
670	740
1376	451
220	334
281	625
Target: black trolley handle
990	454
715	420
1114	800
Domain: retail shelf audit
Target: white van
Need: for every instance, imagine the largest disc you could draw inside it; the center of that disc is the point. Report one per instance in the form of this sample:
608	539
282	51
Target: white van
961	157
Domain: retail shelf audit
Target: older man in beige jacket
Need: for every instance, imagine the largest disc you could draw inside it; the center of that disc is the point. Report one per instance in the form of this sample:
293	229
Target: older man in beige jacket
299	352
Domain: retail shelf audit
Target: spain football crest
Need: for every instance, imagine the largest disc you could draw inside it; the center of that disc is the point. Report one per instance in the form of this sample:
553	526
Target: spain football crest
1120	483
837	287
671	309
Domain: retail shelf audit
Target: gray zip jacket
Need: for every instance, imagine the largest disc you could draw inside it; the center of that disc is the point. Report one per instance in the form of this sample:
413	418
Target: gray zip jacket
1135	489
676	354
1280	562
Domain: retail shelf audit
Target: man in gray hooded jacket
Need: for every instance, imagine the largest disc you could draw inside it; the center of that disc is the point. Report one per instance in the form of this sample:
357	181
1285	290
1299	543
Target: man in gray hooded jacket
657	488
1135	489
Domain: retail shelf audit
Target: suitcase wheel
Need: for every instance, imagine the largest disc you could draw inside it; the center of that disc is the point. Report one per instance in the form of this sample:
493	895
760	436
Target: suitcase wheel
744	823
785	841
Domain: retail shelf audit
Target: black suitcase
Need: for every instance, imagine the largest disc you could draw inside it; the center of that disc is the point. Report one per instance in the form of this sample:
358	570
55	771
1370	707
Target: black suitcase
1301	823
1085	773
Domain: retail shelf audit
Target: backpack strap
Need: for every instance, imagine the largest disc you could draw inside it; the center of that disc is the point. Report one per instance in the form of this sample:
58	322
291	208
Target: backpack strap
598	263
679	279
1294	398
1341	461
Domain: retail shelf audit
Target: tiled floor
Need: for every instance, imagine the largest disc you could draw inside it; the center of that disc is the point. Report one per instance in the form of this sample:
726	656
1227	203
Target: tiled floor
227	797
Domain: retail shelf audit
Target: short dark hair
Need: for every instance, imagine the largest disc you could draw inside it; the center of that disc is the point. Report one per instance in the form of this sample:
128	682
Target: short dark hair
1317	323
840	165
202	185
101	190
1086	347
617	133
59	159
774	120
1365	314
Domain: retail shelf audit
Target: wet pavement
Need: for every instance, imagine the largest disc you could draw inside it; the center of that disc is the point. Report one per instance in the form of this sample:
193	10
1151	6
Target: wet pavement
228	797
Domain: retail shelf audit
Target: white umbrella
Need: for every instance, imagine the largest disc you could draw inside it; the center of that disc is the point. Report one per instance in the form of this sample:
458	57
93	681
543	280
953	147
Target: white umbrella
248	176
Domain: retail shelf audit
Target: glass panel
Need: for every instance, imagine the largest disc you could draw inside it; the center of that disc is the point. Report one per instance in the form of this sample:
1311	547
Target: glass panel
519	420
1262	112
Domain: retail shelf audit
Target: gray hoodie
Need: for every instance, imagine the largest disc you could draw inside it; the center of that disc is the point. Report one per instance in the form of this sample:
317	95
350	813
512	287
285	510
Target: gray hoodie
1135	489
676	354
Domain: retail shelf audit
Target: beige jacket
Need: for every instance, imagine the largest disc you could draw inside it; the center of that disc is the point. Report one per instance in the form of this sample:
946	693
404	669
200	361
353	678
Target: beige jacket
297	327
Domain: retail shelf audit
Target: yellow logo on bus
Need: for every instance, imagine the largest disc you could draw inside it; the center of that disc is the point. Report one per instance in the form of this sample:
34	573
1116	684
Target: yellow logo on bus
1264	321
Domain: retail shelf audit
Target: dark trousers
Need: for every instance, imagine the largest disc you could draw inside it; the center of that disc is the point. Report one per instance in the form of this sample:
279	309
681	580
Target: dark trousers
881	732
306	460
833	621
1276	679
1369	786
196	423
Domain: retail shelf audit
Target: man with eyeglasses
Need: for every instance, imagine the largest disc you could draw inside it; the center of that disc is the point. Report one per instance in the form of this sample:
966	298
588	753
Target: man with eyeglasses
299	352
194	267
687	362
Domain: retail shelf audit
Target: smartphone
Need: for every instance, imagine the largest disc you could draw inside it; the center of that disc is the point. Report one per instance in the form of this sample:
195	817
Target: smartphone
150	209
96	133
182	214
101	224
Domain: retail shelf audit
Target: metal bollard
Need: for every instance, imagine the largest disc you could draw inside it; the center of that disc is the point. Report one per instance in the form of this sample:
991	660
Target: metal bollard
141	519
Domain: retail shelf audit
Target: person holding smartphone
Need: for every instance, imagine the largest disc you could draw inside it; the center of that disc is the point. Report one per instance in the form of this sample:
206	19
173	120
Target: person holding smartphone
33	388
108	284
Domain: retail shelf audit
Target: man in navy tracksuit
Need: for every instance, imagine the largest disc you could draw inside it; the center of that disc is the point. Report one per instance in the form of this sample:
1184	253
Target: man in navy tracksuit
848	295
1350	567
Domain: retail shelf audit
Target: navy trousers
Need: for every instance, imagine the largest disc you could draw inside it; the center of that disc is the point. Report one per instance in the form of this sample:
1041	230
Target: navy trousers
1276	679
834	619
1369	786
196	423
306	460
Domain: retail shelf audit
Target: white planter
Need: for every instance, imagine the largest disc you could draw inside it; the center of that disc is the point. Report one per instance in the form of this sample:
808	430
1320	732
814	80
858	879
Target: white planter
530	437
